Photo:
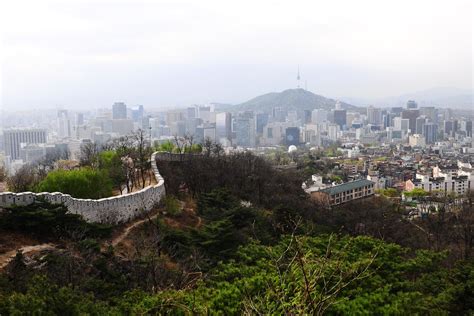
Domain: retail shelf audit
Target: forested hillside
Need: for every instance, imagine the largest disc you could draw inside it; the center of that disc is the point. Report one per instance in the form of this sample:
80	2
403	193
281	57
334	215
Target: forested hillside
237	236
291	99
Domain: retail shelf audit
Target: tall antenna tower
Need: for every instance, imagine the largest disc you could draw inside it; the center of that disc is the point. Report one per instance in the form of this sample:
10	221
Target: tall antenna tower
298	77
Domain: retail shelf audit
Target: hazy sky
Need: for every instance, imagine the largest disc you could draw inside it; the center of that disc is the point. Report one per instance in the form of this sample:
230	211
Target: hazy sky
81	53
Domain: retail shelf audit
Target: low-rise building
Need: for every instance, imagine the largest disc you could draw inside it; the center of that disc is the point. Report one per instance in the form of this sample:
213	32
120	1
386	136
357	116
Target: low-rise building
416	140
316	185
378	180
344	193
444	179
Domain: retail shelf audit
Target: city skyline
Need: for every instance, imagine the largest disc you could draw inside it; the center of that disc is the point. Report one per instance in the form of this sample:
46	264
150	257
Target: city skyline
430	97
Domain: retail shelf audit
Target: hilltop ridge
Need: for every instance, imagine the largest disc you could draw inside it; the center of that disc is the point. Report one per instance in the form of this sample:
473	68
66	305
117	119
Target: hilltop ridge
290	99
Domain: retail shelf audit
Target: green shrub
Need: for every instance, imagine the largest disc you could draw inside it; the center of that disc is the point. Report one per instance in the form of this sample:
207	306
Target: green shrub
89	244
390	192
172	205
86	183
46	220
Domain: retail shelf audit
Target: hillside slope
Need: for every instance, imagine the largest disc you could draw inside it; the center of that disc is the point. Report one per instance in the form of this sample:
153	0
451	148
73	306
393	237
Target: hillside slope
291	99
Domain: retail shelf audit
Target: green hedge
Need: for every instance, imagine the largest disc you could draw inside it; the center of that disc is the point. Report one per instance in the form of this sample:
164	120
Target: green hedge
83	183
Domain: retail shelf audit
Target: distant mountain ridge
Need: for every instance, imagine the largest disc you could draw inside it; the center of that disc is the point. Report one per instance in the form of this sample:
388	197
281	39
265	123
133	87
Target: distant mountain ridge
443	97
291	99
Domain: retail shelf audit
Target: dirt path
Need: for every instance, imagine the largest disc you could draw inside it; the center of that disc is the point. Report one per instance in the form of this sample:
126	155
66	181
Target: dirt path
10	255
118	239
124	234
7	257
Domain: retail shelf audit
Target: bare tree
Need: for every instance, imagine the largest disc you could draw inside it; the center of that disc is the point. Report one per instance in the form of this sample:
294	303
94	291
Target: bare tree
24	179
208	145
189	141
129	171
124	146
462	230
142	154
217	149
180	143
44	165
89	155
3	174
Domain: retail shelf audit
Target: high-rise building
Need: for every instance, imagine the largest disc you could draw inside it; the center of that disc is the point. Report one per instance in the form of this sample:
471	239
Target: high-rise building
178	128
411	104
191	112
400	124
357	123
311	134
137	113
145	122
244	127
352	117
204	113
278	114
430	131
120	127
13	139
374	115
455	126
274	133
64	124
209	132
447	114
468	128
292	136
420	122
262	120
340	118
79	119
389	131
396	110
318	116
224	127
32	153
119	111
333	131
387	120
451	127
192	124
411	115
292	116
307	117
430	112
448	127
174	116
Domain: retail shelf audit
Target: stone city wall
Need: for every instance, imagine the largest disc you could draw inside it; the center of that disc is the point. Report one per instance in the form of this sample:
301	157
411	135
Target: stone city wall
112	210
167	156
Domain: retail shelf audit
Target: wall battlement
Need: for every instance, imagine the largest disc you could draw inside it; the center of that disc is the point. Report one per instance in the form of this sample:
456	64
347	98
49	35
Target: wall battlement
112	210
167	156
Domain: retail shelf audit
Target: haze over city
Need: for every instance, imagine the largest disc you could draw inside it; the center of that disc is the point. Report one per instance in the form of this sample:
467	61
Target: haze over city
89	54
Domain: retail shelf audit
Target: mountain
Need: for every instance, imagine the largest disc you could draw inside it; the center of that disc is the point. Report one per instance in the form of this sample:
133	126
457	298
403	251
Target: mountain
291	99
439	97
443	97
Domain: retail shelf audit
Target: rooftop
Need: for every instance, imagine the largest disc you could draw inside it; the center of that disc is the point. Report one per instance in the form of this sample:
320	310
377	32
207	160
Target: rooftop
347	186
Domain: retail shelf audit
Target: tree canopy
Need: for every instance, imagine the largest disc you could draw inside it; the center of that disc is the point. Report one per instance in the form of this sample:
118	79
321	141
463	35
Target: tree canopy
86	183
235	235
